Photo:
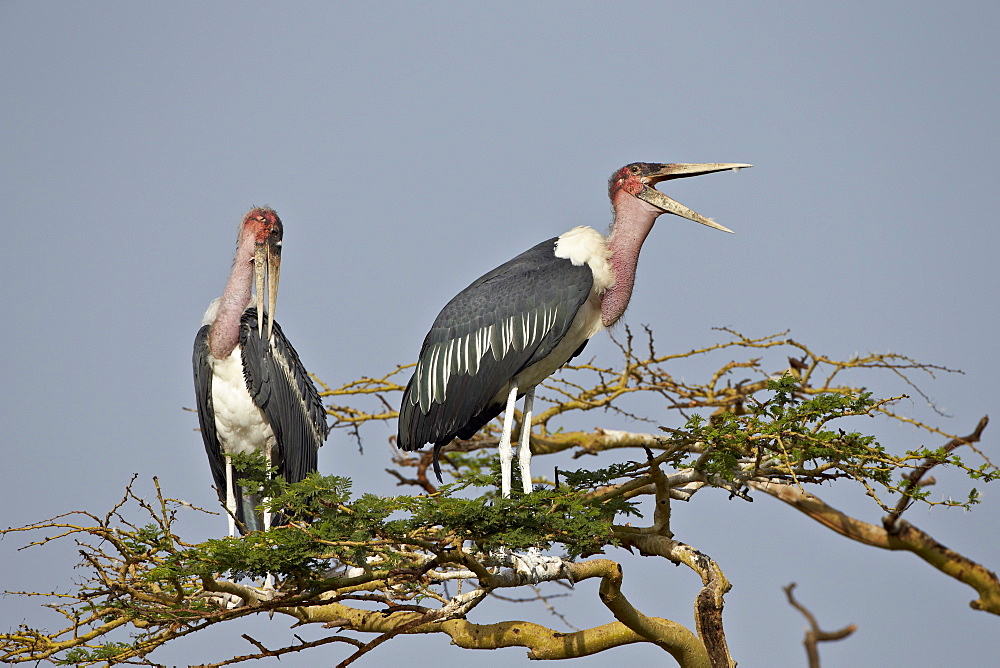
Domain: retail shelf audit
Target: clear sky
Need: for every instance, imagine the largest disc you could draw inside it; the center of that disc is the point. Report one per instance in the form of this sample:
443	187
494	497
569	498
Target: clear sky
410	147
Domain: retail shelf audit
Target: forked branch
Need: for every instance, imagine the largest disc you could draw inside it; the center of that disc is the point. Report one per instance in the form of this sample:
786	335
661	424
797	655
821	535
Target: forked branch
815	635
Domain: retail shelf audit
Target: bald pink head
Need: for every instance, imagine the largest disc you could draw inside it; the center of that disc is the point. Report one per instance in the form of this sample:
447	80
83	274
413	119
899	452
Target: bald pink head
627	179
263	223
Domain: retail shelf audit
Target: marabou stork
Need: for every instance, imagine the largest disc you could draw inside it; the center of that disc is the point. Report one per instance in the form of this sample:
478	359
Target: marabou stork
254	396
516	325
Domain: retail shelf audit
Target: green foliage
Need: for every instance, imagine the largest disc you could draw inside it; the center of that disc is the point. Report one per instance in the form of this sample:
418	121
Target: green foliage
592	479
254	473
105	652
541	518
333	529
479	468
149	538
788	435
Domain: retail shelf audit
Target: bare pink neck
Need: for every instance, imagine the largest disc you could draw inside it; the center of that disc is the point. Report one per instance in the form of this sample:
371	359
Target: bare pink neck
225	331
634	219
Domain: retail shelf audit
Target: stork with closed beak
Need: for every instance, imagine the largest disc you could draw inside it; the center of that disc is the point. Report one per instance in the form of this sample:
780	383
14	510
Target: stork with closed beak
253	393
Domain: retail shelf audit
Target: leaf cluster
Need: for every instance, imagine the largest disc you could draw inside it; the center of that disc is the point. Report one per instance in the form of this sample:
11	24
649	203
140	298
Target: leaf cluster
786	435
332	530
790	436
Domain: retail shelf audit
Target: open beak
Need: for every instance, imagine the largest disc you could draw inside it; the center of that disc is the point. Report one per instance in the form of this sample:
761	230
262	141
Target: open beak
654	173
266	270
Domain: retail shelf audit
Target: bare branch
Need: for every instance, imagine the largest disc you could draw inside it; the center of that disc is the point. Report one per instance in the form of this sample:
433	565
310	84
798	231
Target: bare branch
814	635
905	537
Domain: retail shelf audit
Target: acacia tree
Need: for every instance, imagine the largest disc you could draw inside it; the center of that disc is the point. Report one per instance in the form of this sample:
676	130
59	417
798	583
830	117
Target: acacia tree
371	568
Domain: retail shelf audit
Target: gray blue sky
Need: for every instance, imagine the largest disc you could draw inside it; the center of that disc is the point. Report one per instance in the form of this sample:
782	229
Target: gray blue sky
408	148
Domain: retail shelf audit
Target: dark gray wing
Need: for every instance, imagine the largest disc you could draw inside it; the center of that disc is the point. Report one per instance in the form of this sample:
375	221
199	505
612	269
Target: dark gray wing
503	323
206	411
245	503
281	387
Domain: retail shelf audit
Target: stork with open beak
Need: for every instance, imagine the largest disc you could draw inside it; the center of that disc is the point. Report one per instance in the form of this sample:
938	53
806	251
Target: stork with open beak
514	326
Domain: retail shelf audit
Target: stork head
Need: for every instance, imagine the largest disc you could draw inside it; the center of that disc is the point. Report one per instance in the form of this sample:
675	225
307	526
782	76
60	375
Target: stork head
265	227
638	180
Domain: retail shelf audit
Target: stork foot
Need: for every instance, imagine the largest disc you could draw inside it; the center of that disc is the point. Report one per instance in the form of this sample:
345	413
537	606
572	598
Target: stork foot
231	601
224	600
357	571
532	565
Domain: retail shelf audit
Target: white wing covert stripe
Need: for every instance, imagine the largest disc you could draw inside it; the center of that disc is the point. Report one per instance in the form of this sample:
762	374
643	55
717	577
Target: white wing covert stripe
464	354
506	322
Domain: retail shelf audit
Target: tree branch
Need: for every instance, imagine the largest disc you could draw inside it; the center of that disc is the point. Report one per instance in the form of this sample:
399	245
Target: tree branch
708	603
814	635
905	537
915	478
543	643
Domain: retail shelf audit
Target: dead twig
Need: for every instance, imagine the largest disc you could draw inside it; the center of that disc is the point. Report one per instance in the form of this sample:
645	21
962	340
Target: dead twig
814	635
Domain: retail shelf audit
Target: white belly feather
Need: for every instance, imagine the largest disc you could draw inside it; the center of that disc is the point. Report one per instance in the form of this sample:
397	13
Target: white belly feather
239	423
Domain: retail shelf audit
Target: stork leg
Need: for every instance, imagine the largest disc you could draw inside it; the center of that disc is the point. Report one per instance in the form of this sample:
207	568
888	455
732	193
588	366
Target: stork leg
524	449
268	518
536	566
267	513
506	450
230	498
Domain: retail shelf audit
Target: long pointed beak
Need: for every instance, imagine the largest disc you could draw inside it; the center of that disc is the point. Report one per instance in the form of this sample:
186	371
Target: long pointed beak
267	270
655	173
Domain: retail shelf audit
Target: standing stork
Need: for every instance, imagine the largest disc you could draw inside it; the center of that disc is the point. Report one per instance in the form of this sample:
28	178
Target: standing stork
513	327
253	393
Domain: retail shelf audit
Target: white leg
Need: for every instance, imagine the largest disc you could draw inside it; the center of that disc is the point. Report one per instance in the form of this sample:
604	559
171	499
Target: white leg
230	497
269	580
267	513
506	450
524	449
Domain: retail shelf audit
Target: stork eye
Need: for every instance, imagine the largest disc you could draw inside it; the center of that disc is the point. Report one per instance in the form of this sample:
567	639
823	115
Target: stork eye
634	169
